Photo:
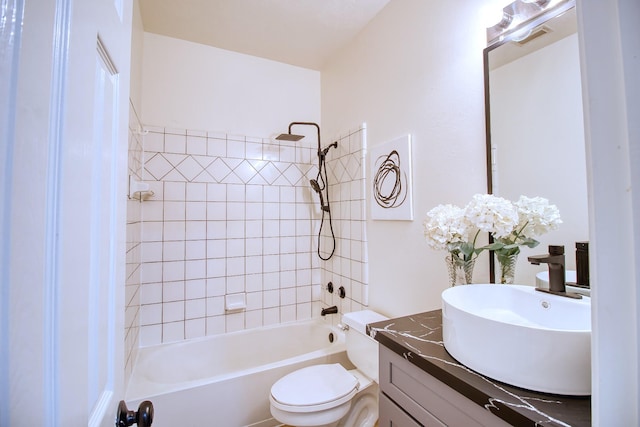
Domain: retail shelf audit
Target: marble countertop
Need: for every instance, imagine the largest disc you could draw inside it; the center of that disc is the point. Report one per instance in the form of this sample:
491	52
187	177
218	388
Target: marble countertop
418	338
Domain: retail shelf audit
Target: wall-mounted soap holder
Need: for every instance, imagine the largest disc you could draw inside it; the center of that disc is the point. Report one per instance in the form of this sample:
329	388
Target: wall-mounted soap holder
235	302
139	190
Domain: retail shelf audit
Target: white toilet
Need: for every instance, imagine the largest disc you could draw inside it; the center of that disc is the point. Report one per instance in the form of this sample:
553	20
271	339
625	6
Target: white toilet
329	395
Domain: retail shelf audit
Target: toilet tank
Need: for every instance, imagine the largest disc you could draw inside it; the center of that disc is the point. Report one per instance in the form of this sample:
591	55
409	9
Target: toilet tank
362	350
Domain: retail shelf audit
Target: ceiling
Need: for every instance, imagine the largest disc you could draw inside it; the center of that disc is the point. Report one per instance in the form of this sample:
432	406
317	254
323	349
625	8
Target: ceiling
304	33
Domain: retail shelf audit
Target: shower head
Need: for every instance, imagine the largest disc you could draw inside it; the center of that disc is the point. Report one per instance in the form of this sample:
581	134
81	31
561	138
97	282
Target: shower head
289	137
315	186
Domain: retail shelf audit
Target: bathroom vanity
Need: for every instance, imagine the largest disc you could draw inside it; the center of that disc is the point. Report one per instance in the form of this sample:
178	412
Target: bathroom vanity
421	384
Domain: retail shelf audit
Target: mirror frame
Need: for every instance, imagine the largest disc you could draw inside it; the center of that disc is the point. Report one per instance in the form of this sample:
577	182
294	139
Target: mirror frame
505	38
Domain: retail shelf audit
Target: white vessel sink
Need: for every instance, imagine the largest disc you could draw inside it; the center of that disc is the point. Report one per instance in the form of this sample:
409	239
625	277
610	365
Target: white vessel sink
519	336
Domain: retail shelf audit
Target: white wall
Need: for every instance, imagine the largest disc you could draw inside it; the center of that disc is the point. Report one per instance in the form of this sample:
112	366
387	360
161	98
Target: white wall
192	86
417	68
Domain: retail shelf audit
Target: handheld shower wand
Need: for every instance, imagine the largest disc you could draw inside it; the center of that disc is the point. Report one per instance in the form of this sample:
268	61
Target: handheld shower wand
317	189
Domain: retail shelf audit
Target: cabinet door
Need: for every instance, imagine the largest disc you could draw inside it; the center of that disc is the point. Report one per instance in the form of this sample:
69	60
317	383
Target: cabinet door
392	415
426	399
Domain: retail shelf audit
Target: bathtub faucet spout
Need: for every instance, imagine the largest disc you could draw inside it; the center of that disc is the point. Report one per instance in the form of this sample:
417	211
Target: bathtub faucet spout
329	310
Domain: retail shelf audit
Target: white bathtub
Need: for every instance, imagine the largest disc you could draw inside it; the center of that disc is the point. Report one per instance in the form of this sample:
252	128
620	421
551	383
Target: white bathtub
224	380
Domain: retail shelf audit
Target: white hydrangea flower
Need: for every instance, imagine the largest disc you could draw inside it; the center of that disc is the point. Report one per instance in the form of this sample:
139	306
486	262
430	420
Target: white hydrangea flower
536	216
492	214
445	224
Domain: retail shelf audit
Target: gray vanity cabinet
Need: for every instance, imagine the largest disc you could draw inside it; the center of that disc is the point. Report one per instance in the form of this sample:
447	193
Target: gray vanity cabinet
409	397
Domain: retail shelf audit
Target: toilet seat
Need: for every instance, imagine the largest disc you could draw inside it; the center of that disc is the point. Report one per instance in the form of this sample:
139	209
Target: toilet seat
314	388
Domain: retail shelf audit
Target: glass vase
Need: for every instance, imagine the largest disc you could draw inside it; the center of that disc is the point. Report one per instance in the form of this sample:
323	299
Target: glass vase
506	268
460	270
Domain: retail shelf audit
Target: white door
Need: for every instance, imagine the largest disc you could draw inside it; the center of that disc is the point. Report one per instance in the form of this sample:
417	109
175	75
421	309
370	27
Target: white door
64	213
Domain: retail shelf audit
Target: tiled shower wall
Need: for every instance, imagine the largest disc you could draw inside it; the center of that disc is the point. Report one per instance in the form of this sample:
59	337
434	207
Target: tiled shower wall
348	267
235	216
134	246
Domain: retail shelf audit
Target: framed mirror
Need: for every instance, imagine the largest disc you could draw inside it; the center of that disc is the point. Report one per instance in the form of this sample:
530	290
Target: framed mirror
535	132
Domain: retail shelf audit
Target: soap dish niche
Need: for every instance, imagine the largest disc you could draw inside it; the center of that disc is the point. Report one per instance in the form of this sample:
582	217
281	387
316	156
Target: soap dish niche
139	190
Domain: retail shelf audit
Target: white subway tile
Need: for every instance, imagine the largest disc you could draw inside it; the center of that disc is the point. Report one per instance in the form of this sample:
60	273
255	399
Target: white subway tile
195	249
215	306
287	296
235	211
216	267
235	148
217	147
254	301
152	210
271	298
288	279
152	231
216	229
150	293
195	269
235	229
195	328
195	289
271	263
150	335
235	284
271	194
151	252
253	264
151	272
172	311
150	314
235	266
172	271
216	286
173	251
253	319
215	325
216	248
287	313
253	229
271	281
195	308
196	192
216	192
175	143
174	230
271	316
173	291
196	230
235	322
172	332
154	142
303	311
174	211
253	282
196	145
196	211
235	247
254	193
174	191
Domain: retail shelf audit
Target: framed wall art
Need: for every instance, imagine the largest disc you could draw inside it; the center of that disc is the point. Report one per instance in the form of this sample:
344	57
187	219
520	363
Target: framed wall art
391	180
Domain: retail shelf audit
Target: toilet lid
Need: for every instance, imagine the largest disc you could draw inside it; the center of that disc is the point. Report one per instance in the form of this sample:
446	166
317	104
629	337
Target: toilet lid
314	385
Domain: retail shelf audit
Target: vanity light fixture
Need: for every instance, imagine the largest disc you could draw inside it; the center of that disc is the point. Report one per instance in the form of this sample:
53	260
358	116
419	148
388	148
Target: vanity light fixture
520	14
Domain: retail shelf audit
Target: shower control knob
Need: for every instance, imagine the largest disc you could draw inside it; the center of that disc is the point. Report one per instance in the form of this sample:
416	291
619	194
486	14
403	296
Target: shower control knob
330	287
143	418
341	292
